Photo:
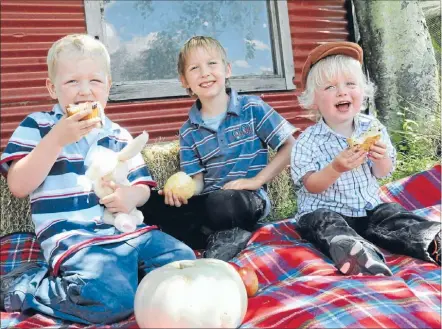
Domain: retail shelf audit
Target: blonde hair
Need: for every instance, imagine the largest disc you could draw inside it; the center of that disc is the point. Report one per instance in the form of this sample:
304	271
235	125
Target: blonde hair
328	69
82	44
208	43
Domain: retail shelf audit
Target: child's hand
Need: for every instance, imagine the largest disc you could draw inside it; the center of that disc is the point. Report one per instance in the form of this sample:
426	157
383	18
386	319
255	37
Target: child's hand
348	160
124	199
172	199
71	130
378	151
251	184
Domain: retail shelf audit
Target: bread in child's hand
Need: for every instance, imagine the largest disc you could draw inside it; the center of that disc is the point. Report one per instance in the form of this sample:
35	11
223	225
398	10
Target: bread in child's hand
367	139
97	110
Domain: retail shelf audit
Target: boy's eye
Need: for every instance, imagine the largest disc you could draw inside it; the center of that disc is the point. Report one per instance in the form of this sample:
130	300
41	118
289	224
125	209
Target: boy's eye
329	87
96	80
193	68
72	81
213	63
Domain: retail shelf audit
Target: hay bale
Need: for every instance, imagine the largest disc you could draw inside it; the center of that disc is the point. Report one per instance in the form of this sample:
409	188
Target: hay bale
282	195
15	213
162	160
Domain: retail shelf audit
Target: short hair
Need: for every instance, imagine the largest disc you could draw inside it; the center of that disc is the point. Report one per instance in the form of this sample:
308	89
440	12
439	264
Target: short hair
208	43
327	69
82	44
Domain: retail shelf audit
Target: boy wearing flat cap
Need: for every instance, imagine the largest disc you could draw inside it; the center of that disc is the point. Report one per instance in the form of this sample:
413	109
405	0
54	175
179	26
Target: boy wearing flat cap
339	209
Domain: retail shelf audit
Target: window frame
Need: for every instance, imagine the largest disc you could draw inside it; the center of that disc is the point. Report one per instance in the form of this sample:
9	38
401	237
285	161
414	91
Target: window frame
149	89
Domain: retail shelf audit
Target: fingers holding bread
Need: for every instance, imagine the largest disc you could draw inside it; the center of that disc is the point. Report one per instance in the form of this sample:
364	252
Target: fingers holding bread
378	151
75	125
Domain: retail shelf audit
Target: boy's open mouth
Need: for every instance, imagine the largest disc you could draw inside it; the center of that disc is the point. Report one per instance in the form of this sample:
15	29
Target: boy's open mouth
343	106
81	102
207	84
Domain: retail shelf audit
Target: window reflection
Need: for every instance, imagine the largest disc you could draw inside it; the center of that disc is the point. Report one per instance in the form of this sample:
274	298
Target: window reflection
144	37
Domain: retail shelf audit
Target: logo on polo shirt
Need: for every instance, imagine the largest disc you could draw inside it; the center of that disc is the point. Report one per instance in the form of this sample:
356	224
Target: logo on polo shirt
243	131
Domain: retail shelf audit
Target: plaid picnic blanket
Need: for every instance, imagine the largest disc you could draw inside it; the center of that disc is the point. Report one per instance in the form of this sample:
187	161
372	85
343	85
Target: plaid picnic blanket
298	286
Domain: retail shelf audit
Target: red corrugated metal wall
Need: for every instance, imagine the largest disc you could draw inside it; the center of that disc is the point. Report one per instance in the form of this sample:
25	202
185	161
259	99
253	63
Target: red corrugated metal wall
29	27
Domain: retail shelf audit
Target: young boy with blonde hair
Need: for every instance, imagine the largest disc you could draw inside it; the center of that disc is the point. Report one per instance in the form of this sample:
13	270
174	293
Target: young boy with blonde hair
224	148
339	209
92	269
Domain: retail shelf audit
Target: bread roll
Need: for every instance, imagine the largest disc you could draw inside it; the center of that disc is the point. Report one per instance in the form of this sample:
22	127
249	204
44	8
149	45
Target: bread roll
367	139
97	110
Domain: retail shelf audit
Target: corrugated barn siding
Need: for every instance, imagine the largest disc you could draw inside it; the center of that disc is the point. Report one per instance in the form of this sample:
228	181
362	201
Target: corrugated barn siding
28	28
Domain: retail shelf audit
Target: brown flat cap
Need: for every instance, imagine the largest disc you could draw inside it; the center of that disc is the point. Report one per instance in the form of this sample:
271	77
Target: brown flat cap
327	49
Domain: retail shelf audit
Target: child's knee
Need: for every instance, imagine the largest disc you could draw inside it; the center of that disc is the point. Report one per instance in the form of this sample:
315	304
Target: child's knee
184	252
388	209
161	249
229	208
324	215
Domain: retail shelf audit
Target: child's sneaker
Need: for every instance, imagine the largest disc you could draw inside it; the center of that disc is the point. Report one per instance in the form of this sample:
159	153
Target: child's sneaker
353	257
226	244
8	279
434	249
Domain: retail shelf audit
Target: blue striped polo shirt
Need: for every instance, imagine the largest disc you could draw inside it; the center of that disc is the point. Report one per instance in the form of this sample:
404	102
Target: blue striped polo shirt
65	211
238	148
355	191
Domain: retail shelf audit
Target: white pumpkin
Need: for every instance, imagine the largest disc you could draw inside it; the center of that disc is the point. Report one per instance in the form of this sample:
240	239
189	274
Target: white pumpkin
202	293
180	184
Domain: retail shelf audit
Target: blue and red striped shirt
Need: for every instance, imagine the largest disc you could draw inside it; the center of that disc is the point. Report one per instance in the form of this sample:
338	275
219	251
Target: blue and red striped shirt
65	210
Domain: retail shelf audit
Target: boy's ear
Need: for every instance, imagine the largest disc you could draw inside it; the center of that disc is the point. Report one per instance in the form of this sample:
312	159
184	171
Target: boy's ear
51	88
109	85
228	70
184	82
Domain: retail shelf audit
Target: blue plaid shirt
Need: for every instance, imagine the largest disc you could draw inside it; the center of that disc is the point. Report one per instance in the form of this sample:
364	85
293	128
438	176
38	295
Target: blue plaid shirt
355	191
238	149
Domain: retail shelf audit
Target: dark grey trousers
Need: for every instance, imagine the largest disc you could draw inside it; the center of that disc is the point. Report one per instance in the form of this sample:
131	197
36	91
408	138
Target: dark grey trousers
389	226
216	211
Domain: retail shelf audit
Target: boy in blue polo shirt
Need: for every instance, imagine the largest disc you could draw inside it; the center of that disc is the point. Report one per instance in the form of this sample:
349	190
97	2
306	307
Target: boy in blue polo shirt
92	269
224	148
339	209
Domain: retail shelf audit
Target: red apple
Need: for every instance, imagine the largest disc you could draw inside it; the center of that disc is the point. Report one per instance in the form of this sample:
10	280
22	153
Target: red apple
249	278
236	267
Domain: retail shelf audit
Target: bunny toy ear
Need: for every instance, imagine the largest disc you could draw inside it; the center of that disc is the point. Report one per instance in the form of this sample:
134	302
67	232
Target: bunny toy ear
134	147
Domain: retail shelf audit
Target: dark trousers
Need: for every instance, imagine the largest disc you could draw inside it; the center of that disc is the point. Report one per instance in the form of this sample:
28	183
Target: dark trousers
388	226
204	214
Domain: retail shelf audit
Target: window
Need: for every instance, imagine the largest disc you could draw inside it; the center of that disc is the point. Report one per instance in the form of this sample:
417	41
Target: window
144	37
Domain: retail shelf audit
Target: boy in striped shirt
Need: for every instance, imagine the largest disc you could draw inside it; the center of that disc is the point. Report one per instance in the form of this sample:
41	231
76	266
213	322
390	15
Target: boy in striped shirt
224	148
92	268
339	209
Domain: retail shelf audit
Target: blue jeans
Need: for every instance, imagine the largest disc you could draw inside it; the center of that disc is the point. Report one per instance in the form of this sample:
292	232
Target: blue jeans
389	226
97	284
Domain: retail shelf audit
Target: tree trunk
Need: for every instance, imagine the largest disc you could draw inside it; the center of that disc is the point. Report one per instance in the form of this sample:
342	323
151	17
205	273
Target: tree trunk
400	59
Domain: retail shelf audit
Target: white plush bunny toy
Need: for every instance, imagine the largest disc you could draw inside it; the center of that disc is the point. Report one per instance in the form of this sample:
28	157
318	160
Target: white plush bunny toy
106	164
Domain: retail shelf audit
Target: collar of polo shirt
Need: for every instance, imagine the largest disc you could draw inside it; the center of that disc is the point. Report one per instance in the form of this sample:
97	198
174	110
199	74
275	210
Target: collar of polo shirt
323	129
233	108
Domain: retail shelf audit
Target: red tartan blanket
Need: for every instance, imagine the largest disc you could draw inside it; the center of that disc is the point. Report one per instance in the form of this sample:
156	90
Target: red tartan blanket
298	286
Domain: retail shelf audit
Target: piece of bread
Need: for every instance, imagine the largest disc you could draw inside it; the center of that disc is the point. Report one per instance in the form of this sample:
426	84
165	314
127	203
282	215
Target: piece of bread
367	139
97	110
